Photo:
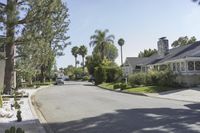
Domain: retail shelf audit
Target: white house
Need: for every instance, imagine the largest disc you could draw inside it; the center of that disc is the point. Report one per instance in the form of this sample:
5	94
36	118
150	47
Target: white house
184	61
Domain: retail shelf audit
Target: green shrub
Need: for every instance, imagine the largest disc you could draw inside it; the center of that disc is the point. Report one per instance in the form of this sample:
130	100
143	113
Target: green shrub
99	75
137	79
153	78
116	86
123	86
86	78
113	74
13	130
19	117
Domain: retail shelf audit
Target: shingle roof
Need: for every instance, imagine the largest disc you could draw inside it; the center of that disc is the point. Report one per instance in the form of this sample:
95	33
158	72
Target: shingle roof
192	50
136	61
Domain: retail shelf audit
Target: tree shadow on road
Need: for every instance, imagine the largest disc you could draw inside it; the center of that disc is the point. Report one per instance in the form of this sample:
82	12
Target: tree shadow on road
153	120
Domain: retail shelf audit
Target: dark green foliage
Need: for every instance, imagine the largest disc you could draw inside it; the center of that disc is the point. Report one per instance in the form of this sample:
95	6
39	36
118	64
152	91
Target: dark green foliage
14	130
117	86
121	86
86	78
137	79
153	78
113	74
99	75
19	117
181	41
147	53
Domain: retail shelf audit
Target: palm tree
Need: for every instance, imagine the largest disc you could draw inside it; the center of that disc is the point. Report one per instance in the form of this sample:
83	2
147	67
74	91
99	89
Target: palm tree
83	53
75	51
121	43
100	39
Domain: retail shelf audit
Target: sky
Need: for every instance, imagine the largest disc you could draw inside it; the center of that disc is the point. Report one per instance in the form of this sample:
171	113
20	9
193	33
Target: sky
139	22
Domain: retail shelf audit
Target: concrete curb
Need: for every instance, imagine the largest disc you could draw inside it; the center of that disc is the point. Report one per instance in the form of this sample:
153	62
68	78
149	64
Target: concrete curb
37	113
139	94
147	95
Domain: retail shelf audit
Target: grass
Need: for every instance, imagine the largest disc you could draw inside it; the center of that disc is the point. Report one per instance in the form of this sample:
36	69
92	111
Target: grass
108	86
148	89
139	89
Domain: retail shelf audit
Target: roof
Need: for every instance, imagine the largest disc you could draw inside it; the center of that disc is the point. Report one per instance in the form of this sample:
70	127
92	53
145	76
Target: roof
136	61
192	50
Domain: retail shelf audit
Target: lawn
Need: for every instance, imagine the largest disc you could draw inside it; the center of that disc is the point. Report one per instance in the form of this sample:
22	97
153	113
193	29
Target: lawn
139	89
108	86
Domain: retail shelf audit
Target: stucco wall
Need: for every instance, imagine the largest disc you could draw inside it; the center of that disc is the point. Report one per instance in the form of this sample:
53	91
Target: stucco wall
2	67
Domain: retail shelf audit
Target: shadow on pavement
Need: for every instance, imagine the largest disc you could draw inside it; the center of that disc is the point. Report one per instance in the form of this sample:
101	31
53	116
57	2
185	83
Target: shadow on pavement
153	120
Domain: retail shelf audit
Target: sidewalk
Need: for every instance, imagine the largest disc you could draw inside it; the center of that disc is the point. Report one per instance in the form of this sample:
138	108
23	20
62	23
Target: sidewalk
30	122
190	95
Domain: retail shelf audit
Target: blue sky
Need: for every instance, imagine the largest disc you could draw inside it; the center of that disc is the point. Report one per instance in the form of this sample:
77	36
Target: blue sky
139	22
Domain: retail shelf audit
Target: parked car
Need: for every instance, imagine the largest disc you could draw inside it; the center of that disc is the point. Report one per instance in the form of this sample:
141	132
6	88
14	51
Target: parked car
66	78
59	81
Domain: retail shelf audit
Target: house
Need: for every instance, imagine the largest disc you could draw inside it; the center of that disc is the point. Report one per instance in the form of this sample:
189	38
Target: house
183	61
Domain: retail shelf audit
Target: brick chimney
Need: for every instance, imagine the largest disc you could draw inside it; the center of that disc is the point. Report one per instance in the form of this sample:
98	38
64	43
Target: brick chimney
163	47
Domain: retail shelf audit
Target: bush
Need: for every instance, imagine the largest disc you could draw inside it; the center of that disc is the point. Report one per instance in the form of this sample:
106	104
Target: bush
113	74
153	78
137	79
116	86
19	117
99	75
86	78
123	86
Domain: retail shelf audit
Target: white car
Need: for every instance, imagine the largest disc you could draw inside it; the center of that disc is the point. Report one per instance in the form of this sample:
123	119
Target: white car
59	80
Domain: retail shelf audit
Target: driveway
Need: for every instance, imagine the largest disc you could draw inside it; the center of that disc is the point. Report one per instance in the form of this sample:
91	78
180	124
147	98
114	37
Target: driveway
80	107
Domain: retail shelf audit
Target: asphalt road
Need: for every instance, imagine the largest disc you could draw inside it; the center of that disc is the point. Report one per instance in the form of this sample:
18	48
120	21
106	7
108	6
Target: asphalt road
78	107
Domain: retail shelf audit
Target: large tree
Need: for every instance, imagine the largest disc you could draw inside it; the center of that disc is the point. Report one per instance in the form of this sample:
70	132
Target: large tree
181	41
100	39
83	53
110	52
16	15
147	53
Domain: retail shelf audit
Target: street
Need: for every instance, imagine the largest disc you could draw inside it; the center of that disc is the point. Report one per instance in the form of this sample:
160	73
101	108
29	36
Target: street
80	107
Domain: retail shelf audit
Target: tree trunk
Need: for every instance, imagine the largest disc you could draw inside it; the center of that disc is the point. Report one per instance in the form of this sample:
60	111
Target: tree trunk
75	62
42	76
10	37
83	64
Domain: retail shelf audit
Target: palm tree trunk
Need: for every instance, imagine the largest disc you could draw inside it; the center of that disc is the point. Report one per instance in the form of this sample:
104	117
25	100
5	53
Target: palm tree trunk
10	36
121	57
75	62
83	63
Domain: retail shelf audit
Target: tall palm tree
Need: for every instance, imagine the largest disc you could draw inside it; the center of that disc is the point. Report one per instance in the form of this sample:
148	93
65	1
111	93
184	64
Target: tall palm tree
100	39
75	51
121	43
83	53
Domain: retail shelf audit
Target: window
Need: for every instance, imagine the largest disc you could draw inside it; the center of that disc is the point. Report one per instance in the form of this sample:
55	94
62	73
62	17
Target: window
178	67
191	65
182	66
197	65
